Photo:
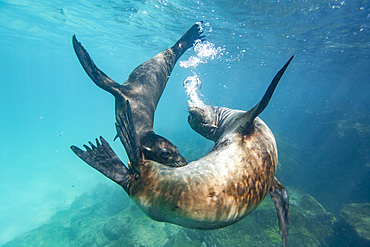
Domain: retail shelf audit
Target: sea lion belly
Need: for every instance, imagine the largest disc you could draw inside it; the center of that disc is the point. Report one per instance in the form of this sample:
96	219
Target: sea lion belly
215	191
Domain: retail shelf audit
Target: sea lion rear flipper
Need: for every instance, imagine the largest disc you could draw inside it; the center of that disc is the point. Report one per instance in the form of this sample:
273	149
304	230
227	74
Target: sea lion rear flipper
127	134
102	158
99	77
256	110
280	198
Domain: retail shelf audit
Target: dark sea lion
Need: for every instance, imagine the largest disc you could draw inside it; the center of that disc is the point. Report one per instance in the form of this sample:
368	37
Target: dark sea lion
215	191
143	88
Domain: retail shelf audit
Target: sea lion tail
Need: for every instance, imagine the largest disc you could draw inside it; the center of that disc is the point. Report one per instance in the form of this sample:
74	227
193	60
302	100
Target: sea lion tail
256	110
99	77
127	134
188	39
281	200
102	158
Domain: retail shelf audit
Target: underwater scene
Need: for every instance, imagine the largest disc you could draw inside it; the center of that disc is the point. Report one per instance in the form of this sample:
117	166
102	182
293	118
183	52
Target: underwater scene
319	115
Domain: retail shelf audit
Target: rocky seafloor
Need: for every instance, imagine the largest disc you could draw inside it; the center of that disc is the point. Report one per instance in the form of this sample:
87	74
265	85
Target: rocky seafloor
106	217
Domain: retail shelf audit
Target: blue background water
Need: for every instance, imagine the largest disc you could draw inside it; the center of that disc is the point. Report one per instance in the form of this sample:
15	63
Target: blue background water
319	112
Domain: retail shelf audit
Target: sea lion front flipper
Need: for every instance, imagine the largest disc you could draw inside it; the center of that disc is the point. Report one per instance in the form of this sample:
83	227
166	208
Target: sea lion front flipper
102	158
188	39
127	134
281	199
99	77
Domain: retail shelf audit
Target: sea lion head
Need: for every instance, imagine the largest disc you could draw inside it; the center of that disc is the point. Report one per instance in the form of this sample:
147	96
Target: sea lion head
204	122
161	150
213	122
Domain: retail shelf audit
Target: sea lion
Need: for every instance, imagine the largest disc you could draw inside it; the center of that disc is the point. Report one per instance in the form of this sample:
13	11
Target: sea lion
225	126
215	191
143	88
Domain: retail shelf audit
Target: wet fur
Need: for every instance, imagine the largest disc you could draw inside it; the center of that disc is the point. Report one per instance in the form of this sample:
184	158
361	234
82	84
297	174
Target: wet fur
215	191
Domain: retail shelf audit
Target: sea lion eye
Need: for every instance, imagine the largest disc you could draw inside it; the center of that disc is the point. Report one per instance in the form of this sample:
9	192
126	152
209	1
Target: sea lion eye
165	155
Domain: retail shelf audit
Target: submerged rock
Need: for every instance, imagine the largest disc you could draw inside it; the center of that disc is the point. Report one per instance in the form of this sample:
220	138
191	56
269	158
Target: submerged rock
107	217
357	216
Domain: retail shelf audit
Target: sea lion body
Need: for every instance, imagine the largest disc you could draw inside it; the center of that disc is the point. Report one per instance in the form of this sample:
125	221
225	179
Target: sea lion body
215	191
144	87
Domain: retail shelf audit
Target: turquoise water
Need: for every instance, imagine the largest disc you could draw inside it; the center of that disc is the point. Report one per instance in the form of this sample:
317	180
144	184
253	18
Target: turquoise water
319	112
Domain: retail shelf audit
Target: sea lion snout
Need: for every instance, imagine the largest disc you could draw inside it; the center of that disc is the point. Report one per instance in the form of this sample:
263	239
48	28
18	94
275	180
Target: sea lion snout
200	121
197	116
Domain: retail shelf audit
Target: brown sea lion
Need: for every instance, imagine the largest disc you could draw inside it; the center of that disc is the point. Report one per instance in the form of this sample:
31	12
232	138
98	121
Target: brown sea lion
143	88
215	191
225	126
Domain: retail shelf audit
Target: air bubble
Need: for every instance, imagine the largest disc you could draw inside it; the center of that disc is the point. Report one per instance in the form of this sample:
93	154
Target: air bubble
192	85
